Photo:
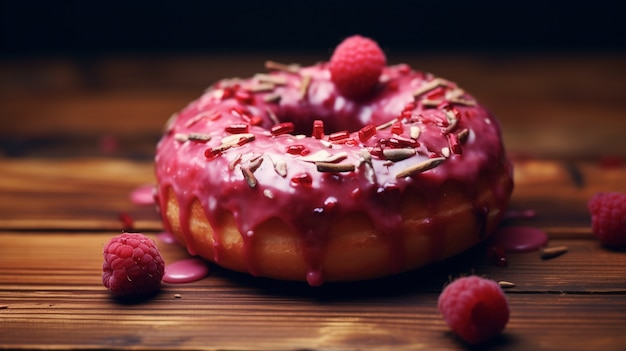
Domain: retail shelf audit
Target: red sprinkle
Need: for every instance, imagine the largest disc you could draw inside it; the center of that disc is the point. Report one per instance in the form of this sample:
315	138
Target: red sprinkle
367	132
229	92
406	114
376	152
283	128
397	128
297	149
435	94
244	97
302	179
212	153
318	129
409	107
241	111
237	128
455	144
398	142
127	222
256	120
339	135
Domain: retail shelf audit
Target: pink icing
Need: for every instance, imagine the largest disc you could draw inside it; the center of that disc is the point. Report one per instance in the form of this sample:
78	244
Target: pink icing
186	271
519	239
247	180
143	195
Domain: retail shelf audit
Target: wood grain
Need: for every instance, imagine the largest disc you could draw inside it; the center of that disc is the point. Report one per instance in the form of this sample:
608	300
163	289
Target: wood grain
53	281
78	136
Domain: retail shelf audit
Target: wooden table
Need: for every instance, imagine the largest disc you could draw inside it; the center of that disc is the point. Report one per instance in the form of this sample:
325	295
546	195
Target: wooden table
78	136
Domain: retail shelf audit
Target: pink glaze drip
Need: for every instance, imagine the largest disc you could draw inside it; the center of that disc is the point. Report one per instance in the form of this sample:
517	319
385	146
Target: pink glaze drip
519	239
143	195
299	197
186	271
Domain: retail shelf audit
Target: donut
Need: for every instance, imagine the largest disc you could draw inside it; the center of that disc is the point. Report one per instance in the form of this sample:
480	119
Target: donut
302	174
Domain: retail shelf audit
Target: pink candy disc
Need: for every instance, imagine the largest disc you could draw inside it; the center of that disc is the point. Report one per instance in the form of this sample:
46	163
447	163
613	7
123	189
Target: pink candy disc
166	238
186	271
143	195
519	239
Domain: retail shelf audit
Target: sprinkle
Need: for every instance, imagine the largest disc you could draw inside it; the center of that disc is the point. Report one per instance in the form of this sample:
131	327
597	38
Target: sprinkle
386	124
282	128
232	164
326	143
244	97
325	156
236	140
275	97
200	137
397	128
366	132
318	129
248	175
181	137
431	103
505	284
462	101
337	136
261	87
435	83
452	121
280	166
398	154
420	167
415	132
367	157
304	88
268	193
552	252
334	167
255	162
291	68
368	170
272	116
454	94
270	79
237	128
445	151
455	144
463	136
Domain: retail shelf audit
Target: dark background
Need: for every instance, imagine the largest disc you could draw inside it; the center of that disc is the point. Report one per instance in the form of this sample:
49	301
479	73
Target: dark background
35	28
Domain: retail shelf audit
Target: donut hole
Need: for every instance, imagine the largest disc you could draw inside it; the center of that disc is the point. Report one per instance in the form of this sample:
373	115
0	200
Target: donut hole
340	115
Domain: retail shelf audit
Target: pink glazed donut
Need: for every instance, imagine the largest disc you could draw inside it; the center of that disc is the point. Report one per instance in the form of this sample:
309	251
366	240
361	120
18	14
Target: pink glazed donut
282	176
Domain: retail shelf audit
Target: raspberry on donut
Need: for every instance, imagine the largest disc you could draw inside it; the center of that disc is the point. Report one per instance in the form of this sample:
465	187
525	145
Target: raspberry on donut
356	65
341	171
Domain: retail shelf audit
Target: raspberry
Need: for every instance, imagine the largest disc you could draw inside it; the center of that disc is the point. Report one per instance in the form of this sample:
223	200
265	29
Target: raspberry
608	218
132	265
475	308
356	66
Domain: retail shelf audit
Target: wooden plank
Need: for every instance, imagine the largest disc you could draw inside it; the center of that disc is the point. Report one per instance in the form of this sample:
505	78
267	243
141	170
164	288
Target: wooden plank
44	261
52	281
76	194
